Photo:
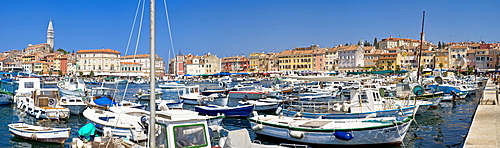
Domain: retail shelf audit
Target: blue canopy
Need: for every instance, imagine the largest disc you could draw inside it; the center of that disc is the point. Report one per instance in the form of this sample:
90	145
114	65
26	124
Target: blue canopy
105	101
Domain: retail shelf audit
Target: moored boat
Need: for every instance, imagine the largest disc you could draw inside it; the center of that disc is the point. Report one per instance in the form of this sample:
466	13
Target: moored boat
213	110
387	130
39	133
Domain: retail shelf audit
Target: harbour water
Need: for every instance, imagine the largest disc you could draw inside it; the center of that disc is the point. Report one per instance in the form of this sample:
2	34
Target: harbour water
445	125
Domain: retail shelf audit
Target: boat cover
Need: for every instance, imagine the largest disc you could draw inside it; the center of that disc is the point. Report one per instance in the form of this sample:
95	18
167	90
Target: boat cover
237	138
104	101
87	131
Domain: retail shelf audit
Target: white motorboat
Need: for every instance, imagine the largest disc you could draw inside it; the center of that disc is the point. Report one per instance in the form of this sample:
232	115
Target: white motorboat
72	86
75	104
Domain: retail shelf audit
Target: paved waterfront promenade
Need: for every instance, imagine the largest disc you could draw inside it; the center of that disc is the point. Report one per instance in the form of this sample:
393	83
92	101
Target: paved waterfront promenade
485	128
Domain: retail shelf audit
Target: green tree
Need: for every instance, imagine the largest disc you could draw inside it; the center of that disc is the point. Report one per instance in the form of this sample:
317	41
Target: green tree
91	73
441	66
81	73
389	65
346	44
41	72
62	50
50	72
398	68
439	45
375	43
60	73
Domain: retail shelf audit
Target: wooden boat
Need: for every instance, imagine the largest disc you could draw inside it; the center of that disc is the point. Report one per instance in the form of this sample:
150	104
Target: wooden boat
72	86
44	104
260	106
213	110
387	130
145	94
39	133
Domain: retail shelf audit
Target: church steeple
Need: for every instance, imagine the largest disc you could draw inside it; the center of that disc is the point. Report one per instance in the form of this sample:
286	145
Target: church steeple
50	35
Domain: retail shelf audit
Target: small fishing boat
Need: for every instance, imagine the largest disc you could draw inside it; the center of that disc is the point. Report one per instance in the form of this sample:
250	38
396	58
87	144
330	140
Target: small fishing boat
39	133
44	104
170	104
72	86
75	104
370	131
5	97
171	85
260	106
213	110
145	94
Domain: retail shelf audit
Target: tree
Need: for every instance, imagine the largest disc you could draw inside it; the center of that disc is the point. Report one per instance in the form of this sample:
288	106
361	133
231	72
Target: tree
62	50
346	44
81	73
389	65
41	72
398	68
375	43
50	72
91	73
60	73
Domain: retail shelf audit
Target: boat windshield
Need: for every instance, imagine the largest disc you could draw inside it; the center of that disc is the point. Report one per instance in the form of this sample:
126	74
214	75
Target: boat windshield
190	136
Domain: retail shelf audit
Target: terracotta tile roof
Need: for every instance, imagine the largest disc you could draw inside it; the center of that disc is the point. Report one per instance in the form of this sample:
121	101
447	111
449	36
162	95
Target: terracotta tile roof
99	51
387	58
458	47
135	56
130	63
3	58
389	54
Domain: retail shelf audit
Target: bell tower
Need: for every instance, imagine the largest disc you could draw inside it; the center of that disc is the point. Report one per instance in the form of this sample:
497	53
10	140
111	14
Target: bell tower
50	35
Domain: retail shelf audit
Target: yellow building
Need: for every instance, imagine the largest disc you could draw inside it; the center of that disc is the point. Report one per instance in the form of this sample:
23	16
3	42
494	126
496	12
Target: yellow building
258	62
296	60
389	61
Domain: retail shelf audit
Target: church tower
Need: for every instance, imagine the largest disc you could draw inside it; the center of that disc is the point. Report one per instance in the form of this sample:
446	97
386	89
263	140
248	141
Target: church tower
50	35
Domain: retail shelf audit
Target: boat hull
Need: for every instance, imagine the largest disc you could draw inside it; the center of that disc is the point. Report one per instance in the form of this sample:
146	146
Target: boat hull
240	111
405	111
387	135
39	134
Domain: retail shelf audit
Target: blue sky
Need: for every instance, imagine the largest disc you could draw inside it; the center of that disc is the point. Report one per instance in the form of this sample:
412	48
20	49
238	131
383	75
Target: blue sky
240	27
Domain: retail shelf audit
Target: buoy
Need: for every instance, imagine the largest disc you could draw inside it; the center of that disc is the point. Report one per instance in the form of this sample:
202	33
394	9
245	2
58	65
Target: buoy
278	110
33	136
297	134
343	135
258	127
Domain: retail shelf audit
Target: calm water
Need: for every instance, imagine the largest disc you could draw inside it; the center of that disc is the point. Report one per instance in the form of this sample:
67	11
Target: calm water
445	125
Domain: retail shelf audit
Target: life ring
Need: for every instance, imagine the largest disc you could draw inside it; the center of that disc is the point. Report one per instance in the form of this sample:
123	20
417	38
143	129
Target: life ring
52	101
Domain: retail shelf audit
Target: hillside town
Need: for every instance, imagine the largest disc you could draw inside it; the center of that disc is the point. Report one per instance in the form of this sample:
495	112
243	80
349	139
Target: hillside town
399	54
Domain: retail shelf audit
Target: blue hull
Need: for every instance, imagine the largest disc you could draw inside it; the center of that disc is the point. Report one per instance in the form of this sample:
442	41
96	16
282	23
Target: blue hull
239	111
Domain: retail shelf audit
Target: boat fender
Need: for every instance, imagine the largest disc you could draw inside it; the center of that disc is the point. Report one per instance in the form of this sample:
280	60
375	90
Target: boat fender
343	135
297	134
258	127
33	136
278	110
298	114
222	84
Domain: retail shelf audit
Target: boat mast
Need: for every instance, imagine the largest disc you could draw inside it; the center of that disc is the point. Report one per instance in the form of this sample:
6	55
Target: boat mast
152	75
420	50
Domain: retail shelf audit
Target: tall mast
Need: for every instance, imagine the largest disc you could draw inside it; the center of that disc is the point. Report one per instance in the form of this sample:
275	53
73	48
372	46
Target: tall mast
420	50
152	75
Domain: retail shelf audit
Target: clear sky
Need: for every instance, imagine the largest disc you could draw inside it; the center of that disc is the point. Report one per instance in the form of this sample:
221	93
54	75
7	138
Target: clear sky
240	27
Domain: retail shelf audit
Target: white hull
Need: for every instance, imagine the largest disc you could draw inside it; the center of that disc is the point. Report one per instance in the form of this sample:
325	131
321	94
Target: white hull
38	133
368	135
